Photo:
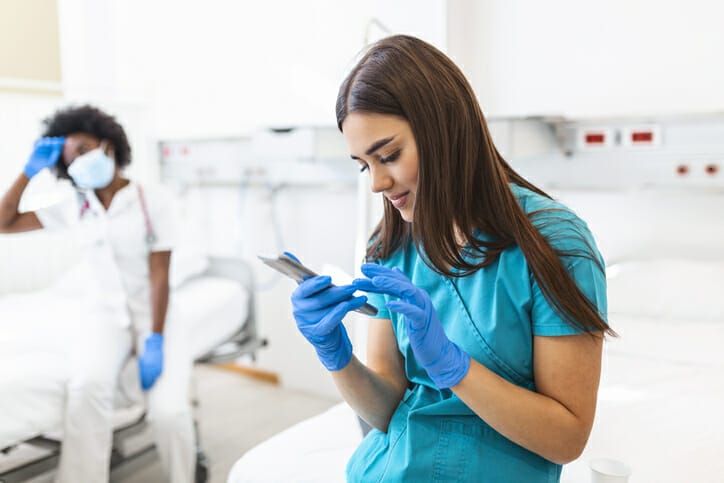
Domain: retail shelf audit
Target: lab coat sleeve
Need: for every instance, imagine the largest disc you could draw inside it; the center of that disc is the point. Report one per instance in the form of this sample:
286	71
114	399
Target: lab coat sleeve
59	216
164	213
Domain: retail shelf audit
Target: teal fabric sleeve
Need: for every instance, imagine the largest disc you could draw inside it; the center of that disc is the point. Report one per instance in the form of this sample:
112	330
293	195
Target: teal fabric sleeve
378	301
590	280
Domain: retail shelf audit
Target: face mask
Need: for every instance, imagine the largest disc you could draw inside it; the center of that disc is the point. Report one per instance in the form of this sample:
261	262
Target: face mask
92	170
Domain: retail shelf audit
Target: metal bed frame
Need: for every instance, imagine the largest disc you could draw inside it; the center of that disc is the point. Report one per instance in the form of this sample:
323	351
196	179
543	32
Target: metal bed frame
245	341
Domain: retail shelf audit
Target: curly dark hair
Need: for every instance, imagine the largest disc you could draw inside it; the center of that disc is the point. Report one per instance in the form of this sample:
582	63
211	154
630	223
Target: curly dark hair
89	120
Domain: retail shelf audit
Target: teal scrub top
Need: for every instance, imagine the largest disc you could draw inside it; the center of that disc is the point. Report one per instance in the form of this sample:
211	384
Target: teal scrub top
493	315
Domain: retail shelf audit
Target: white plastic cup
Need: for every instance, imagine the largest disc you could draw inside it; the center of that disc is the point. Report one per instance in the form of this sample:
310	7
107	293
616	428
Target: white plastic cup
605	470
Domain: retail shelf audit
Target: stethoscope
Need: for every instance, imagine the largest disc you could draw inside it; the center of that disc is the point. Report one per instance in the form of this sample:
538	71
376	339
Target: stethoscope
150	233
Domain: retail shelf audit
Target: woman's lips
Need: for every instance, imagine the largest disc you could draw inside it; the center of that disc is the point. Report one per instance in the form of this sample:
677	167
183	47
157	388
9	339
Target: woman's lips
398	201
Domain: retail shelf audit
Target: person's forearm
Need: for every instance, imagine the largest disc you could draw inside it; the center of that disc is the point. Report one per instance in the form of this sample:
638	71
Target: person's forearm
159	304
535	421
11	201
373	397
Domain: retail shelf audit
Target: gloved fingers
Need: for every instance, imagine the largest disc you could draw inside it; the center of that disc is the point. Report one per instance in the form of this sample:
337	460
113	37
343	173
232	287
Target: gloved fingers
143	379
55	153
311	286
372	270
324	299
334	317
389	286
378	285
308	318
47	151
144	375
148	381
416	316
292	256
50	141
150	367
365	285
393	286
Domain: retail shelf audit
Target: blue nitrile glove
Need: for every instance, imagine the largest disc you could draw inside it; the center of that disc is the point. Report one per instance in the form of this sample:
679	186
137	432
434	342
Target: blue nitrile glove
150	364
318	310
444	361
45	154
292	256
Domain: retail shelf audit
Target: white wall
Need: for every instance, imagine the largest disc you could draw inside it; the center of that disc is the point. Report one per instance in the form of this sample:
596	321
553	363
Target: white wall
591	59
220	67
189	69
214	69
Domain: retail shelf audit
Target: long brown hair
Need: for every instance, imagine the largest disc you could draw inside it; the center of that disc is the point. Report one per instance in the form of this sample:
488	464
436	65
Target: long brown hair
463	182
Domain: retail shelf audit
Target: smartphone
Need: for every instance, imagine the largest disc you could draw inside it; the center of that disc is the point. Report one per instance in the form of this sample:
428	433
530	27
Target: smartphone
298	272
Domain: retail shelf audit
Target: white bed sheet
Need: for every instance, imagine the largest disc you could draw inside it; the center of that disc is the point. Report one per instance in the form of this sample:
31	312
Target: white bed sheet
659	411
314	450
35	329
33	362
660	402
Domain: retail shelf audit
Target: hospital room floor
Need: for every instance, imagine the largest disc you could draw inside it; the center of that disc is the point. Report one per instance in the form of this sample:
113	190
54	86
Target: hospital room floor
236	413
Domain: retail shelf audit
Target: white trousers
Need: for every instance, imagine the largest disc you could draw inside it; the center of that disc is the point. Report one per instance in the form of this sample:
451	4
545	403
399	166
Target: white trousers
102	350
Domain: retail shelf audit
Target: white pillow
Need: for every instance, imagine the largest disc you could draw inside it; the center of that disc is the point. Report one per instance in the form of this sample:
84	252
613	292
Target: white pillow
672	289
186	263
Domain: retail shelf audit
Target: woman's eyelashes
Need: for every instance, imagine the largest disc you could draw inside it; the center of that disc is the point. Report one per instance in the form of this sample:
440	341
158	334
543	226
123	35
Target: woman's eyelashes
390	158
382	159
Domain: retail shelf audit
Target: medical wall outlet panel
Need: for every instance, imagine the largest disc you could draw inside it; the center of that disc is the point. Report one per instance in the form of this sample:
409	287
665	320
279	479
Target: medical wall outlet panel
685	152
595	138
641	136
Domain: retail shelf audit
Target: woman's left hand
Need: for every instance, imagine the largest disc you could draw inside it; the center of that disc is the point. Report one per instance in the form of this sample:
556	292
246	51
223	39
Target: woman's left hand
150	364
444	361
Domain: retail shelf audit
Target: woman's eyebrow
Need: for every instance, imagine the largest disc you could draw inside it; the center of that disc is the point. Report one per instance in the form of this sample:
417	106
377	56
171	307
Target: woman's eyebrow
375	146
378	144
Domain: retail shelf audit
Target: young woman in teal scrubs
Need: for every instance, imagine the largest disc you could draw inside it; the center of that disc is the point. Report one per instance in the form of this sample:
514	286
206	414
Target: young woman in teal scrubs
485	356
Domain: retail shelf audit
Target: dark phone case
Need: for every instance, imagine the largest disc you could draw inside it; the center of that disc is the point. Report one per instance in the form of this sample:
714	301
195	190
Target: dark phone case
298	272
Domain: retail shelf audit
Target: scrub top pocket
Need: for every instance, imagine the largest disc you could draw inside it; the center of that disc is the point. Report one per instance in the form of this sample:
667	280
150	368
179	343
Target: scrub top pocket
468	450
378	451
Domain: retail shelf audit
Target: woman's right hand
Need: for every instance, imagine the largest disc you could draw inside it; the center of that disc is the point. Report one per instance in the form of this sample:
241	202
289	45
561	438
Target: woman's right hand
46	152
319	308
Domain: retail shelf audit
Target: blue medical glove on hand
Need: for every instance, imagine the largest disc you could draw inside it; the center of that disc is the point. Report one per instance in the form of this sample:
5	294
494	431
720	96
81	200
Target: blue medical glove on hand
45	154
318	310
150	364
444	361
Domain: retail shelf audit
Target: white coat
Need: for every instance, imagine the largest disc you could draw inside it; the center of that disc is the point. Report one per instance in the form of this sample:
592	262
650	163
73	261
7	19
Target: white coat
117	243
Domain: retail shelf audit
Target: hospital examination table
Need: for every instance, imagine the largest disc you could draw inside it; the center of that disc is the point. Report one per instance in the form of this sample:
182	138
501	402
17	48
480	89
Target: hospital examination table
217	306
660	400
